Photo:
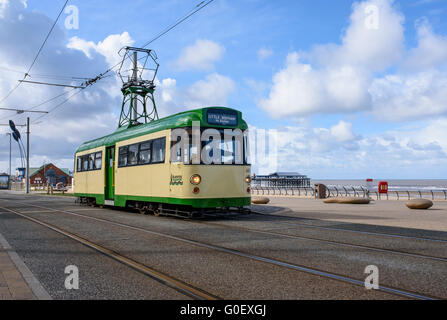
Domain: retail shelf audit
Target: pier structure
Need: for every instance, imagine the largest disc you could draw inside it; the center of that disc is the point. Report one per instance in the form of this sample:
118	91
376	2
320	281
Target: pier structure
282	179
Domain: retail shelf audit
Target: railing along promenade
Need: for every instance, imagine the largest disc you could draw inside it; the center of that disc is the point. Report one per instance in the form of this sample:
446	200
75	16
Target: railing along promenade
350	191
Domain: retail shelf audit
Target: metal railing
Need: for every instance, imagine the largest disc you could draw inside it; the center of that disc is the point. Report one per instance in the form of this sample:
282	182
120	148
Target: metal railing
283	191
350	191
20	186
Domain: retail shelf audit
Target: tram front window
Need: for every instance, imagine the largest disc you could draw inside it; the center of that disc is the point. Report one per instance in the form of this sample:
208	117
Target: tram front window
226	150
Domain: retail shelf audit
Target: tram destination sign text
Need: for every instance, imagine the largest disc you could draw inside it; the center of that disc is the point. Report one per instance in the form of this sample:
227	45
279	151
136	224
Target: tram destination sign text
222	117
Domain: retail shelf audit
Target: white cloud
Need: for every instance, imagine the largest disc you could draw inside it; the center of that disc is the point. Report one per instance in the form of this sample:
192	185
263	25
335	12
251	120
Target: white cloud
264	53
431	50
213	91
200	56
300	90
344	78
109	47
407	97
342	131
338	152
362	46
89	114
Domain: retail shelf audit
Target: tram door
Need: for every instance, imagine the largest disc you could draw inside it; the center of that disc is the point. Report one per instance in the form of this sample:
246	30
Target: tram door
110	173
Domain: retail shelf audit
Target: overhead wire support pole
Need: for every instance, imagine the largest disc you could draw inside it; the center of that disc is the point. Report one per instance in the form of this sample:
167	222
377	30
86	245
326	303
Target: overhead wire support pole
27	154
10	153
10	149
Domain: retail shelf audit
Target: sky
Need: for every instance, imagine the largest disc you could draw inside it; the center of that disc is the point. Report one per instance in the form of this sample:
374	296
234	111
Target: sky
353	89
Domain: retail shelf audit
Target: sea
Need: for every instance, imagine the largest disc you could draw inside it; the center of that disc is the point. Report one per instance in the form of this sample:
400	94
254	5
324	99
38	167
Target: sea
393	185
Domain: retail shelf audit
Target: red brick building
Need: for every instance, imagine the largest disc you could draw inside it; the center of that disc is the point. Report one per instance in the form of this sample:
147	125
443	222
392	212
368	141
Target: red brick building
51	173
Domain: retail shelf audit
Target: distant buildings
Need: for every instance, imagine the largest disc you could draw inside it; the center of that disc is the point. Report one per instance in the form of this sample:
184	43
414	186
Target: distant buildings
282	179
49	173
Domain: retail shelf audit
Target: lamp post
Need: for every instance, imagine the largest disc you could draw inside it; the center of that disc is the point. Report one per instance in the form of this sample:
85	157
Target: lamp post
10	149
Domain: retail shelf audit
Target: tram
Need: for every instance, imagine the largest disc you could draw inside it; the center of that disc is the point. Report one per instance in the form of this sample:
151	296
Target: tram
157	168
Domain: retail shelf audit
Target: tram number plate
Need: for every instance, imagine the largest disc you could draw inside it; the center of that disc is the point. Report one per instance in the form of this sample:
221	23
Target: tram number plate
222	117
109	202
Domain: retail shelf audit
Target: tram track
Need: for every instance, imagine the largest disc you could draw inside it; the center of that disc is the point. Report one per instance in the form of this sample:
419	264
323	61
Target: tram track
305	225
350	245
180	286
297	267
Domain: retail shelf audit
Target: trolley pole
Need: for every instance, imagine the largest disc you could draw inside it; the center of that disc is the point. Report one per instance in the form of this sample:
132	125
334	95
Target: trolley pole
27	154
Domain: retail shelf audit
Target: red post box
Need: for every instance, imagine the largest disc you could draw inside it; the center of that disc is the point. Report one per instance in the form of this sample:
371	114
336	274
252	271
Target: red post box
383	187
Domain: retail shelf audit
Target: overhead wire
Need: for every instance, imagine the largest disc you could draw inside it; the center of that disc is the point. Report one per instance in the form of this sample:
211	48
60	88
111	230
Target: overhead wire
36	56
41	104
103	75
197	8
58	105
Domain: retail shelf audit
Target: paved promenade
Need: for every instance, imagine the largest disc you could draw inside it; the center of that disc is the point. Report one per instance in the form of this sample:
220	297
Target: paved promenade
297	249
12	283
388	213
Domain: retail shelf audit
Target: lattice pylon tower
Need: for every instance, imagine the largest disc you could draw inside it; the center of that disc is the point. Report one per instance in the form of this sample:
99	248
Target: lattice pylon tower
138	95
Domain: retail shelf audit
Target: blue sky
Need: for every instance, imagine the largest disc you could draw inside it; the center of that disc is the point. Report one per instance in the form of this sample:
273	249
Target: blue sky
346	101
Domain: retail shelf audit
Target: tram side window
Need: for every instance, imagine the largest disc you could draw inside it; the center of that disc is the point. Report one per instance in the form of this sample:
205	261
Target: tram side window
132	155
158	150
91	161
85	163
122	157
145	153
98	160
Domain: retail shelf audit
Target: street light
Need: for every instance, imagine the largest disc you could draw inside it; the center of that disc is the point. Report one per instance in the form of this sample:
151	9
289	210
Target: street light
10	142
12	125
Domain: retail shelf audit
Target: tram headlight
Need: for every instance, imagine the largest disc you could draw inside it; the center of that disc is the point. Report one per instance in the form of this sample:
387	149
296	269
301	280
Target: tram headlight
195	179
248	179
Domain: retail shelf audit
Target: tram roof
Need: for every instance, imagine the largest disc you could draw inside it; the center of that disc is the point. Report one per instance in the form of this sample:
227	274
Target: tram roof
178	120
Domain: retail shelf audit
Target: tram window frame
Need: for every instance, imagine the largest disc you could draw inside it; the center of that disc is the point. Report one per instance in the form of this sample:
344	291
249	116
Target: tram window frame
98	156
134	160
123	153
163	154
190	152
91	161
84	162
142	148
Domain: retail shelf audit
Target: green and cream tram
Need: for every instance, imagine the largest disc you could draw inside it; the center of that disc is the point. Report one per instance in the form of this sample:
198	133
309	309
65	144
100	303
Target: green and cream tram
146	167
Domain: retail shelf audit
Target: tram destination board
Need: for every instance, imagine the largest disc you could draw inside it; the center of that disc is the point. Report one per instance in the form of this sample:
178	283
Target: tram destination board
222	117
